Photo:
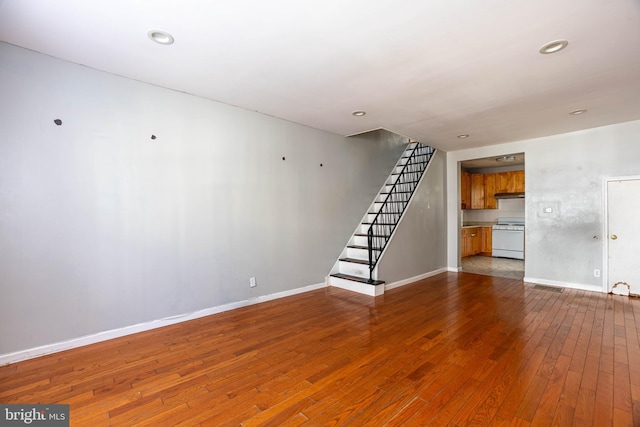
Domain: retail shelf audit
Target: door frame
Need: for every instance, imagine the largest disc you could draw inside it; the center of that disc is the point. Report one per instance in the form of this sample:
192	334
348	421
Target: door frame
605	236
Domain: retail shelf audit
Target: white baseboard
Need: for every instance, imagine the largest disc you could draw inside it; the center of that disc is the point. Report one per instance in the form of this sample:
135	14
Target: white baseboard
454	269
581	286
415	278
31	353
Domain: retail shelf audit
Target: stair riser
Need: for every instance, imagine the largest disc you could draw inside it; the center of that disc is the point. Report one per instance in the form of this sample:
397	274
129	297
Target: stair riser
360	270
384	216
360	240
364	229
361	288
371	217
377	205
387	188
380	198
357	253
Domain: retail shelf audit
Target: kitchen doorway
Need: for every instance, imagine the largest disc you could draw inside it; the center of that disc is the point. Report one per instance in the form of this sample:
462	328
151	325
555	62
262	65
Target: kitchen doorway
491	189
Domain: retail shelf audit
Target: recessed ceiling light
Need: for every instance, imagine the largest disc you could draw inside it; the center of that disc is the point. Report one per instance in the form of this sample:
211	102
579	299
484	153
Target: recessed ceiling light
554	46
359	113
463	135
160	36
578	112
506	159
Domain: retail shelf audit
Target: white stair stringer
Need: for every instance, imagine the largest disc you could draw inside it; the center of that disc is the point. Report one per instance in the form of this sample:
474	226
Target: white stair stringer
351	270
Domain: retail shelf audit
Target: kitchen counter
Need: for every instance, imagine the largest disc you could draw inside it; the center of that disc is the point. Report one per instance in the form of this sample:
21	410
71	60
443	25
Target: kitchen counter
478	224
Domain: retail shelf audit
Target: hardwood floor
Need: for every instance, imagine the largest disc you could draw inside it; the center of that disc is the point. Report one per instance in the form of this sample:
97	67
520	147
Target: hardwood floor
451	350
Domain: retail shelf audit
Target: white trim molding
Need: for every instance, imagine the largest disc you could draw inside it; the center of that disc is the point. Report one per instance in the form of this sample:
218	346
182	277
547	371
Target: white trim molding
581	286
415	278
31	353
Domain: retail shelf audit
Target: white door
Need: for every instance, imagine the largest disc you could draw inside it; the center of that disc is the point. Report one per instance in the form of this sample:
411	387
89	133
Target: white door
623	238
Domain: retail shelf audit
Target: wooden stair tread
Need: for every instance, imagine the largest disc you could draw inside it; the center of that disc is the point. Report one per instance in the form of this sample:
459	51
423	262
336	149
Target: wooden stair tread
383	213
355	260
396	192
362	247
401	183
375	235
357	279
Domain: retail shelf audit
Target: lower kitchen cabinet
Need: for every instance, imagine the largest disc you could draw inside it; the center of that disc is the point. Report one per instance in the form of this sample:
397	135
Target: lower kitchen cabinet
486	242
470	241
476	241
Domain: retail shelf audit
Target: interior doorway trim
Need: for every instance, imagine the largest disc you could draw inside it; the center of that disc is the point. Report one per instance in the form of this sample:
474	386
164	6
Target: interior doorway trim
605	226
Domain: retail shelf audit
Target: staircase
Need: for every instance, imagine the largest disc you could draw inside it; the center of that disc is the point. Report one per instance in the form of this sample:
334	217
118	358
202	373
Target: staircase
356	270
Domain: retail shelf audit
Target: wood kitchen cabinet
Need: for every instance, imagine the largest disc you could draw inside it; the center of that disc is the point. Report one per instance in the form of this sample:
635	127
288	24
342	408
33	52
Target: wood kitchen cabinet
510	182
490	202
476	241
471	241
518	178
485	241
483	187
465	190
477	191
504	182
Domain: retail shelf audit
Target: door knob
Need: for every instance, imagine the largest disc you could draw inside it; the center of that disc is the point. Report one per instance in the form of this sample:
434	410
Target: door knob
614	237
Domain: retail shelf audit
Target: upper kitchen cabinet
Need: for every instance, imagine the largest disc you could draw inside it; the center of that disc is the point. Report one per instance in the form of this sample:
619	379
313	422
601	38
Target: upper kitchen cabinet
490	201
510	182
477	191
483	187
519	181
465	190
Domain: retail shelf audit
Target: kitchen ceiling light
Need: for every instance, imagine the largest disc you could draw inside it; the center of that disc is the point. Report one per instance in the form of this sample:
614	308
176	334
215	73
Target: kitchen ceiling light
160	36
578	112
506	159
359	113
463	135
553	47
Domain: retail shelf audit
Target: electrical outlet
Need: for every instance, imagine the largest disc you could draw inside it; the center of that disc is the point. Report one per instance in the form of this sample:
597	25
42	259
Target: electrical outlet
252	282
596	273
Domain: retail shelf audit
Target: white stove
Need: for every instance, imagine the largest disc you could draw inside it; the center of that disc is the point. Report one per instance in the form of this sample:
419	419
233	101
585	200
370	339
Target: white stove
507	238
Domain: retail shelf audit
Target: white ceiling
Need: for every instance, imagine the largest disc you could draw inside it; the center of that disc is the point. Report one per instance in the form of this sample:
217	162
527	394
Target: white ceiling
429	70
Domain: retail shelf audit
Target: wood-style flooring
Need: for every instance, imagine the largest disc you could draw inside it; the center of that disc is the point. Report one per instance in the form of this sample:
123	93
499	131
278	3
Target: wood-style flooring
451	350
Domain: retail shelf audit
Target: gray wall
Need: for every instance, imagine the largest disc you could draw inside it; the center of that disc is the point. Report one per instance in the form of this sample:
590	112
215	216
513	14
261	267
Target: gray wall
420	241
102	227
566	173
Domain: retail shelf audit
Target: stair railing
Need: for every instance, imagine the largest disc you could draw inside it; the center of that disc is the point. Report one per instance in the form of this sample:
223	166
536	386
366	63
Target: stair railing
394	204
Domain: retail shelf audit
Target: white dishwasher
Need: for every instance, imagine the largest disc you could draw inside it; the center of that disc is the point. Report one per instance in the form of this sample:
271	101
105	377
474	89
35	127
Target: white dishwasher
507	238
